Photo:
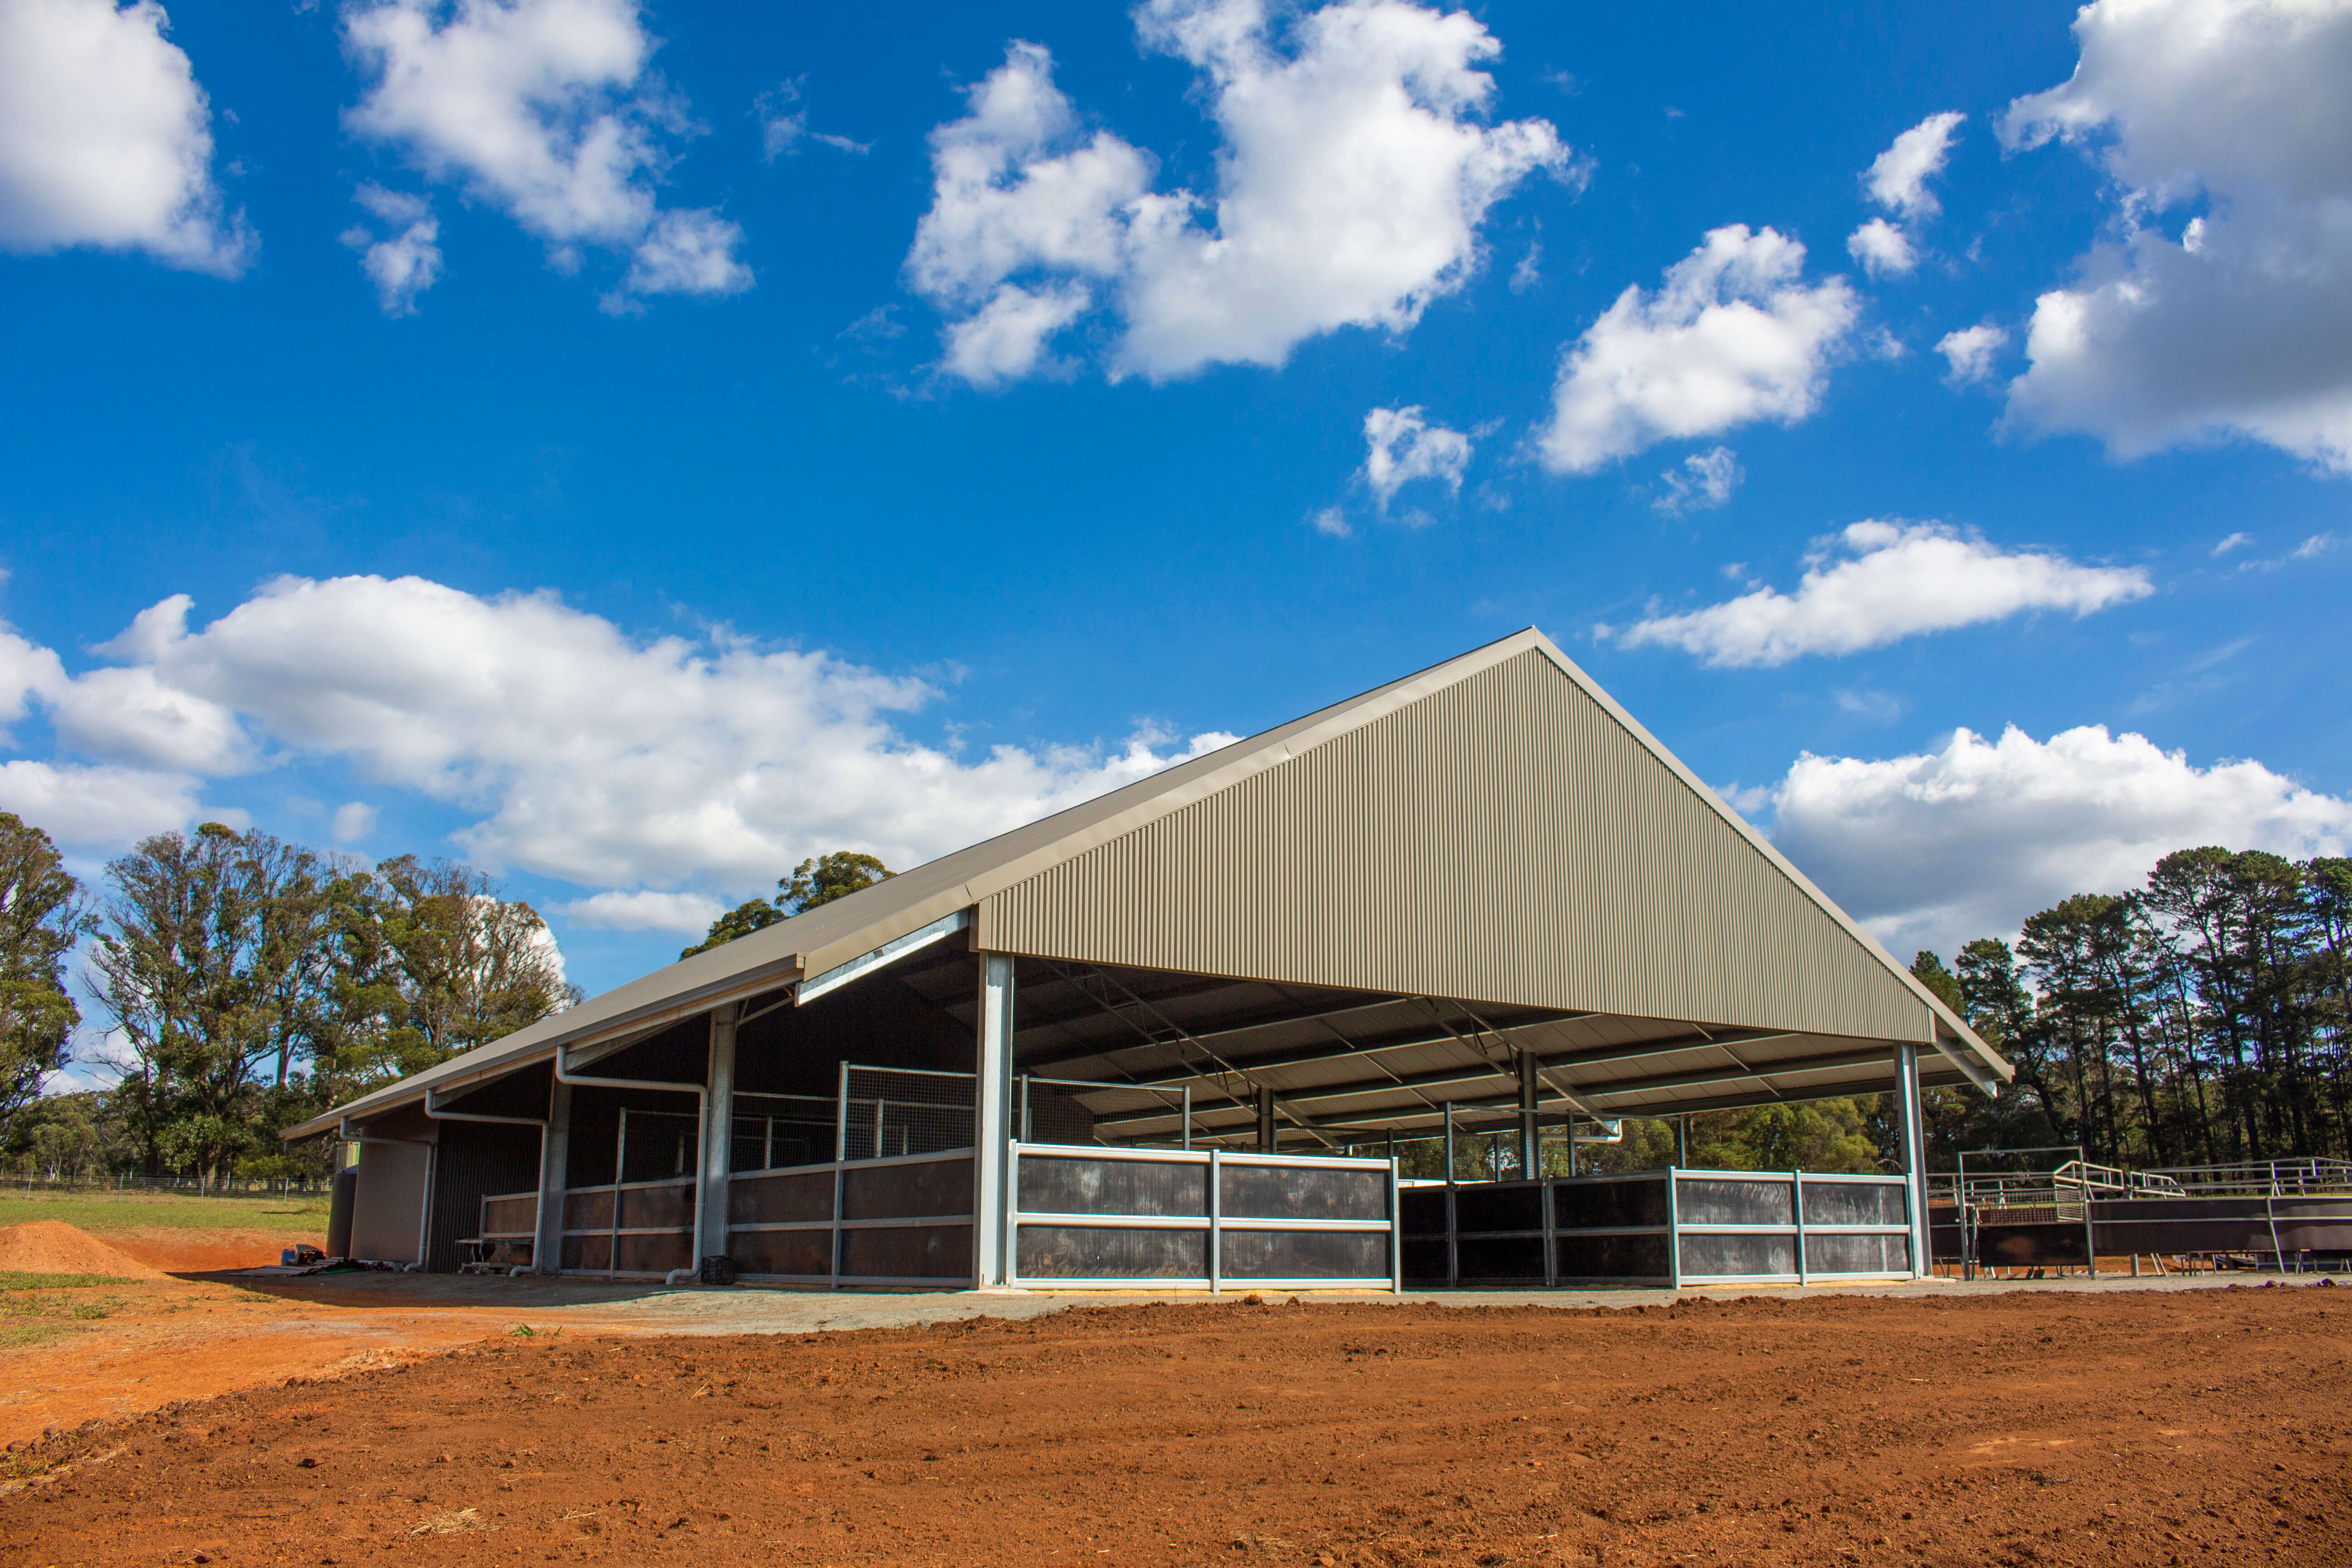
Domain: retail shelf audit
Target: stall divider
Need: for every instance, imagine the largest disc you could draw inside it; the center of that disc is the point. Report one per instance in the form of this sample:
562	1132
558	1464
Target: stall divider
1116	1218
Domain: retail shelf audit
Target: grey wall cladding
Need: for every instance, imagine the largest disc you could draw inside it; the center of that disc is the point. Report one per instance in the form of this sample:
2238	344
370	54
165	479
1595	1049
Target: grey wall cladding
1307	1254
1292	1191
1097	1252
1136	1188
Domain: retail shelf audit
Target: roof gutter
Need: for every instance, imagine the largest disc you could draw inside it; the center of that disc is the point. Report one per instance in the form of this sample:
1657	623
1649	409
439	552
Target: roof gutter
671	1010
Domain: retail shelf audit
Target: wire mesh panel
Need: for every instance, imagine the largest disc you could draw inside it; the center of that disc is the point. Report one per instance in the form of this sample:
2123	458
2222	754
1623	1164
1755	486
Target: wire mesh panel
889	1112
777	1131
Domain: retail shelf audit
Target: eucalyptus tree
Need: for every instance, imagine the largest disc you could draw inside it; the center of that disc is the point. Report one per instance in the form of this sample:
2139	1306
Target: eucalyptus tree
42	913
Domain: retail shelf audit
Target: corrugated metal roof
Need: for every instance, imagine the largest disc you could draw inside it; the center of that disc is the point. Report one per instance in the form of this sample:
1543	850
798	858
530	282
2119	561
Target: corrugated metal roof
1494	829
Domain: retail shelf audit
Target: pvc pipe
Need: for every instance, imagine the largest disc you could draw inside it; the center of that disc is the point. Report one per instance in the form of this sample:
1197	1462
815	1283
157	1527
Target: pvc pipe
701	1092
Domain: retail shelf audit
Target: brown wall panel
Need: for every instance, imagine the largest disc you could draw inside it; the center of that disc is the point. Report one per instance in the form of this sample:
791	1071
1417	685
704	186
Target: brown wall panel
511	1215
781	1251
643	1208
907	1192
592	1252
919	1252
588	1210
777	1200
656	1254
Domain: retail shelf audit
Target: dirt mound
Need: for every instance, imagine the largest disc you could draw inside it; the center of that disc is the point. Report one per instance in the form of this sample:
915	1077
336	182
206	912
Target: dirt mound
52	1246
204	1251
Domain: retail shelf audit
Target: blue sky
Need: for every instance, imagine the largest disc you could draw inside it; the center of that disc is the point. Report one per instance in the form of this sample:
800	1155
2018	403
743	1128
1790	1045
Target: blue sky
637	446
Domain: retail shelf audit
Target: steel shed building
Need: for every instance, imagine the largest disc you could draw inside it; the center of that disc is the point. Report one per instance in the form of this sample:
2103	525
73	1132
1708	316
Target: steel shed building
1134	1041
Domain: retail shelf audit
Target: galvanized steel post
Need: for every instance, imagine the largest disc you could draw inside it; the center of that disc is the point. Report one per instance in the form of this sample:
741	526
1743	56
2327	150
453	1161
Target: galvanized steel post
555	1158
1915	1154
1531	1163
718	1130
993	1122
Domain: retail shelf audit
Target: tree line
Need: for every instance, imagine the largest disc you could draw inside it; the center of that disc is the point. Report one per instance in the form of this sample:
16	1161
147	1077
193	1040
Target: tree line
2203	1017
245	983
248	982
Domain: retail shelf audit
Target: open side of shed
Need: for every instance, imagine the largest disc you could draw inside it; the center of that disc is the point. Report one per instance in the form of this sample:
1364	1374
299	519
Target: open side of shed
1152	1037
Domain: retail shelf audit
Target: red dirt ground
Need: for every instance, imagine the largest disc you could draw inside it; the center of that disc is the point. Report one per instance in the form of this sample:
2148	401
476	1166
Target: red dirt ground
2202	1427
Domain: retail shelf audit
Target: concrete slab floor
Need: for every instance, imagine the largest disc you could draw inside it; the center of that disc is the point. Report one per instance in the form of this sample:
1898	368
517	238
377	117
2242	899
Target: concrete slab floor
756	1310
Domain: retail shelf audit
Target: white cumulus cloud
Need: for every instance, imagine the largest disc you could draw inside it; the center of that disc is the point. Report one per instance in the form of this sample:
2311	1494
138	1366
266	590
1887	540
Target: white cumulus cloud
673	764
105	137
2222	303
1733	336
1964	841
1403	447
1354	171
1883	249
1877	582
104	808
688	913
1897	178
549	112
1970	352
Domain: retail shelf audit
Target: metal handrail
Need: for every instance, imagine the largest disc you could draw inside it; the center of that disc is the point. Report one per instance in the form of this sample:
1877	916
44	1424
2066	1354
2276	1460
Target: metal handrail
2263	1178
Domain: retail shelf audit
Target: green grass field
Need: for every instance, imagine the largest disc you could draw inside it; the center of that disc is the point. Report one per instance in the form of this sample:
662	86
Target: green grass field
99	1213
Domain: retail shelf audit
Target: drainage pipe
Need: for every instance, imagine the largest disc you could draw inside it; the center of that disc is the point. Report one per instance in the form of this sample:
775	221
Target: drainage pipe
701	1092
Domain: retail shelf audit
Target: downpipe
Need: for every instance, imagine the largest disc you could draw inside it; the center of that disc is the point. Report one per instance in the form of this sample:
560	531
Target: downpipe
701	1092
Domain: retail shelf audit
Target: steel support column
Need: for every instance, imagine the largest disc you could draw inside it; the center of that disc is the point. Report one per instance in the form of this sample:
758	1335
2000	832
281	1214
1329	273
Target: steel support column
1266	1138
555	1157
1530	1155
1914	1135
992	1123
718	1128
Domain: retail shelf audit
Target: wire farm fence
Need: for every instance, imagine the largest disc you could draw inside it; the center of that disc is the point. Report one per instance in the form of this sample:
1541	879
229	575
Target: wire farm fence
775	1132
886	1112
31	1181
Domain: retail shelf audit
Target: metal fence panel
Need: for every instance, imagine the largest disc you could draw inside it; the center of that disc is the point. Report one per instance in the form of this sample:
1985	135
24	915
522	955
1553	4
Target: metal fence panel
893	1112
1136	1188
